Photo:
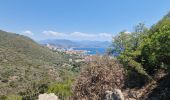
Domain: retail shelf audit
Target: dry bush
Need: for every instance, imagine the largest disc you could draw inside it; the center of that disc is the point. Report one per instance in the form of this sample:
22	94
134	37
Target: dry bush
97	77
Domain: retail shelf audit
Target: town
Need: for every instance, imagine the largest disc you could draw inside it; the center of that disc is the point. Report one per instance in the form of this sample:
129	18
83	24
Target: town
81	55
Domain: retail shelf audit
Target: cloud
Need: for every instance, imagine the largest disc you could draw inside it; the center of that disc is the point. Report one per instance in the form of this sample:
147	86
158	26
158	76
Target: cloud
127	32
78	36
28	33
53	33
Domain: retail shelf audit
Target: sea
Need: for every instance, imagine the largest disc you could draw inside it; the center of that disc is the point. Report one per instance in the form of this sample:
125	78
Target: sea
93	51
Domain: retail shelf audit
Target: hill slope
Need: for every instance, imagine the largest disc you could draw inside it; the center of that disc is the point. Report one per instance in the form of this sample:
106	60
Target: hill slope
26	68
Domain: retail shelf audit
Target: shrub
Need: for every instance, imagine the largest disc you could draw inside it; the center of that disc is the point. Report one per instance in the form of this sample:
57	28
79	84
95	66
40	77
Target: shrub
156	50
62	89
98	76
11	97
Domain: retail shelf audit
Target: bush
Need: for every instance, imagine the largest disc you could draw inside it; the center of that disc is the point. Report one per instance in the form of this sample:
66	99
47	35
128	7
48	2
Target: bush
156	50
62	90
98	76
11	97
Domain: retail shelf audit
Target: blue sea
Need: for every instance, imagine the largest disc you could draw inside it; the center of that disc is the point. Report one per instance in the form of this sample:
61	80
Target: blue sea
93	51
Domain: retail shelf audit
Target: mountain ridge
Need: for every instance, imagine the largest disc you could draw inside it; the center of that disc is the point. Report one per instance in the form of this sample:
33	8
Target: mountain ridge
64	43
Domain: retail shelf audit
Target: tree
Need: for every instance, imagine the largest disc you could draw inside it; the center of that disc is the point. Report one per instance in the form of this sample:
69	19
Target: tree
121	42
128	47
156	50
126	41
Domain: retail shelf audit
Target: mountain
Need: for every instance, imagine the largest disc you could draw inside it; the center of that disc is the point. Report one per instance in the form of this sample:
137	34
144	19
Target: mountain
63	43
26	68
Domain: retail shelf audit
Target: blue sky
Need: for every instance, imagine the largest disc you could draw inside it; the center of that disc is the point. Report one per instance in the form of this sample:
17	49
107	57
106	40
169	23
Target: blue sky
78	19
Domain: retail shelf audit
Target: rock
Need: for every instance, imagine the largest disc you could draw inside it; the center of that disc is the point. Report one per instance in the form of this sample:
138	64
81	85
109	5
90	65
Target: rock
108	95
46	96
115	95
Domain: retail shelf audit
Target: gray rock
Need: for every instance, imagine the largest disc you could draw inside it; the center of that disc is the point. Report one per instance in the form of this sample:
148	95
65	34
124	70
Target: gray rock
116	94
46	96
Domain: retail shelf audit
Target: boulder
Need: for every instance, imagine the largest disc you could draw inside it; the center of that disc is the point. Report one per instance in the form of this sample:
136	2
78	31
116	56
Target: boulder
46	96
116	94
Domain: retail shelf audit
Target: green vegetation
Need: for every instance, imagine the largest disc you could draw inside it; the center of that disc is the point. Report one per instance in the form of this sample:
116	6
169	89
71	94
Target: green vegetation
62	89
144	53
155	50
11	97
145	49
26	68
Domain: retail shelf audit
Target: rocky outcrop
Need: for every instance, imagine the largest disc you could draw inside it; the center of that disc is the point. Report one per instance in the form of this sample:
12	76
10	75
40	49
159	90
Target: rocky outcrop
46	96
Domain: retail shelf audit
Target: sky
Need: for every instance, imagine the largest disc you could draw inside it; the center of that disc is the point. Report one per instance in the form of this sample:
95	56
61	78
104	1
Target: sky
97	20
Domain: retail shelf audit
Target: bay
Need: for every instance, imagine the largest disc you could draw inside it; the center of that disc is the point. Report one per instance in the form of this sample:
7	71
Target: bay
93	51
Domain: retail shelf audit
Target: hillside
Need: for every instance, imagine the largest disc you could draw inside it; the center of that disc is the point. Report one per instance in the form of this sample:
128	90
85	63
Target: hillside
27	47
26	68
